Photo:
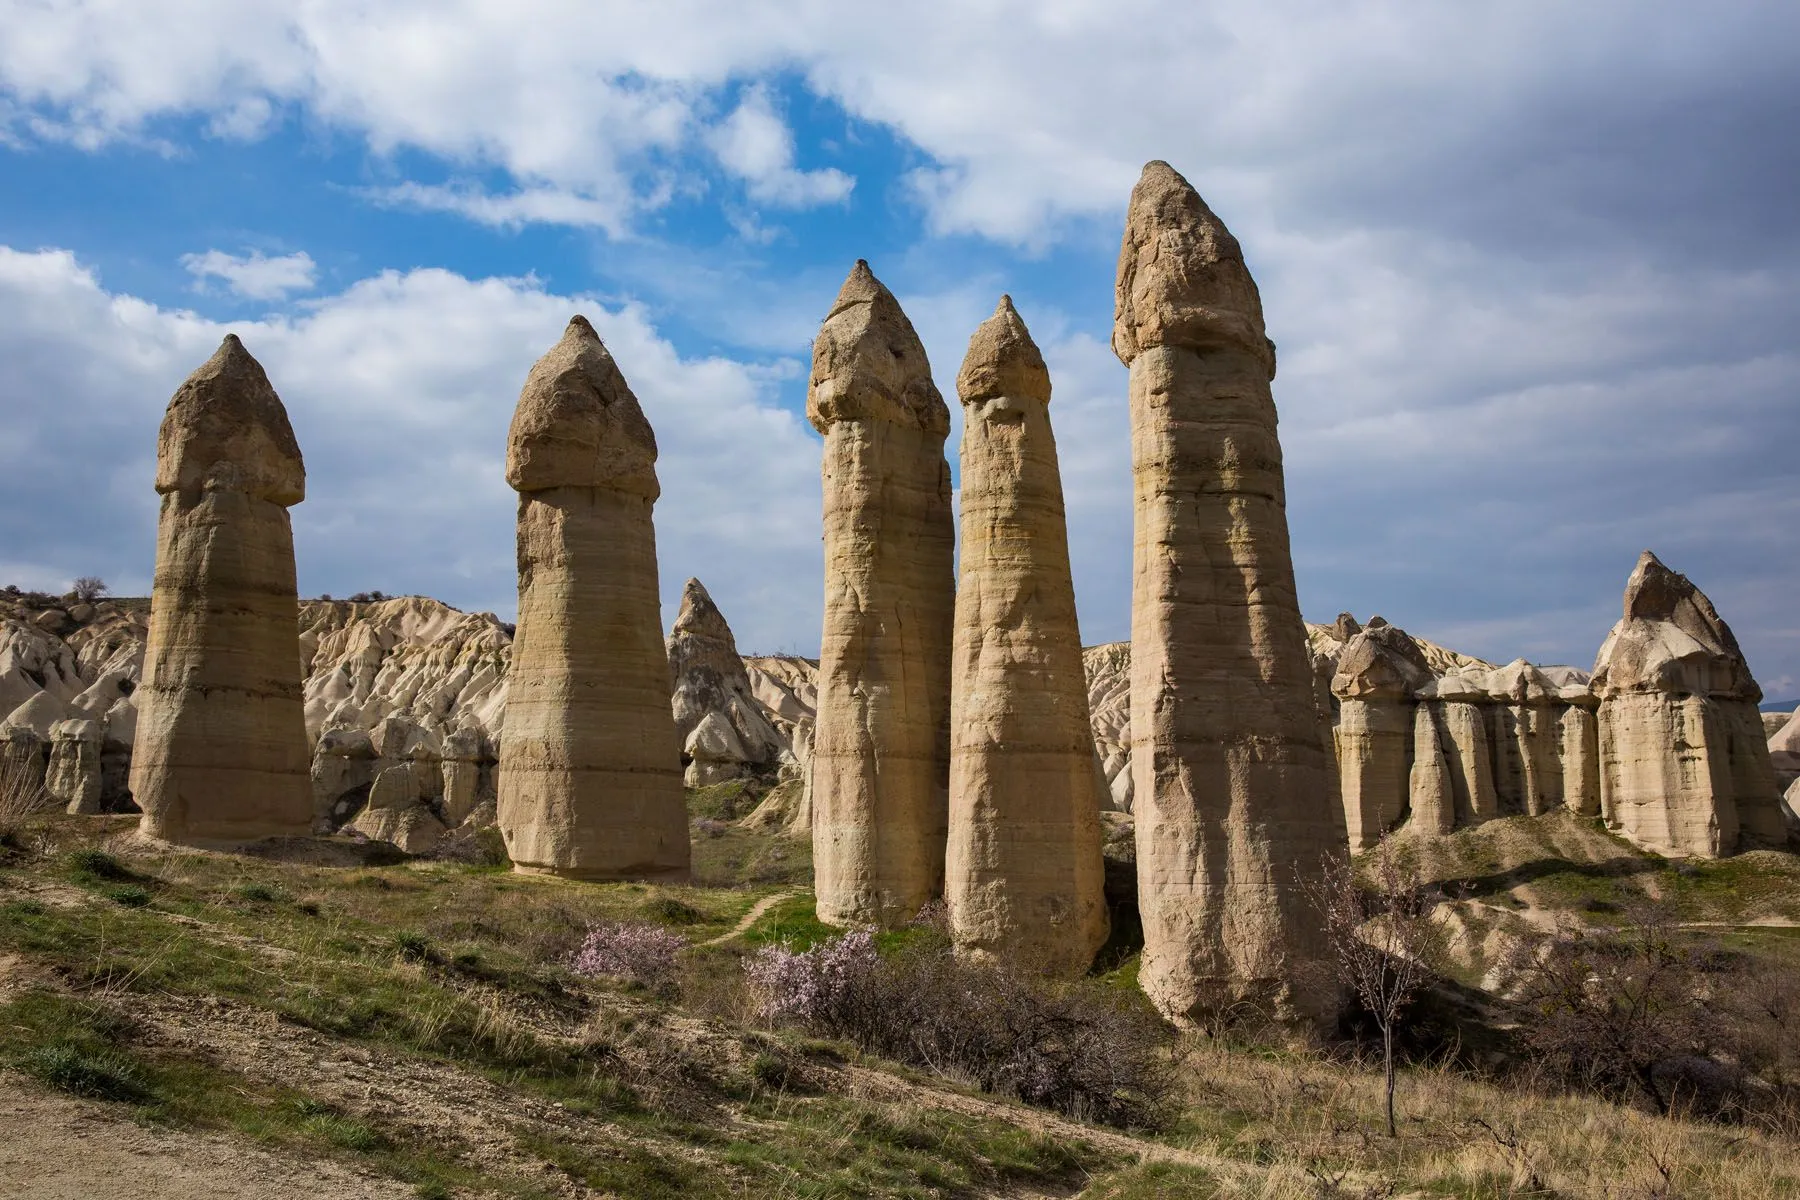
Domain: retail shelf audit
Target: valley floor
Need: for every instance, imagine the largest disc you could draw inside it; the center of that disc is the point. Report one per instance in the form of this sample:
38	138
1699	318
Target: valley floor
179	1025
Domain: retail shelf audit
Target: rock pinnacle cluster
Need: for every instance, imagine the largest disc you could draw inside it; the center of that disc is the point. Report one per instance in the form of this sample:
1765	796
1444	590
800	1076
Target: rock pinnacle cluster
590	771
1235	797
1670	674
1023	874
221	753
880	758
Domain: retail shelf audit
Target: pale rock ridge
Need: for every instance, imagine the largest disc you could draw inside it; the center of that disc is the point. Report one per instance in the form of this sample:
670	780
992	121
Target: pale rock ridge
723	731
1234	793
1023	875
1670	675
221	751
1108	670
590	778
880	752
74	775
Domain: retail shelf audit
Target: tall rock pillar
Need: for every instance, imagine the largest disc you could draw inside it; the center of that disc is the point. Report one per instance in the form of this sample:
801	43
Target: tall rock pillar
590	772
1684	765
1023	874
221	753
881	750
1235	797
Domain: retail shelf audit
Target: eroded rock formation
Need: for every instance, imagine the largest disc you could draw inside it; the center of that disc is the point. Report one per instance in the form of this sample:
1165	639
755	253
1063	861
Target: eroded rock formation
1684	765
590	779
1377	675
1234	794
722	729
1023	873
880	754
221	754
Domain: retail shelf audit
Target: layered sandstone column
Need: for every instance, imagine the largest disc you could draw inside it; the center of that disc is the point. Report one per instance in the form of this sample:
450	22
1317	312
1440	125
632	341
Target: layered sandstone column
1684	768
1465	742
1431	798
221	754
590	774
1580	752
1377	674
880	756
1235	798
1023	875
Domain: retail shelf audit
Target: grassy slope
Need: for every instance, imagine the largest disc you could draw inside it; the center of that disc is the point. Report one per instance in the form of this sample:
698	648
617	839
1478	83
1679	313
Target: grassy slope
415	1019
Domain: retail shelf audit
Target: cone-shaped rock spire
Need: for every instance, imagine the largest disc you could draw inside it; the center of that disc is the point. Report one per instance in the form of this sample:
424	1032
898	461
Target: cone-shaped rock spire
221	753
880	762
590	773
1235	799
1670	674
1023	875
722	730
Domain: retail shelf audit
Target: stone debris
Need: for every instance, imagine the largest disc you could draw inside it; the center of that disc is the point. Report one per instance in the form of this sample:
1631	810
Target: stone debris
221	754
1234	794
723	731
880	750
590	779
1684	765
1023	874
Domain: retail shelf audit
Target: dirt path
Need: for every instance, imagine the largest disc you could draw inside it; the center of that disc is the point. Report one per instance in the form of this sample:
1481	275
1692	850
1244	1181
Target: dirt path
57	1148
752	917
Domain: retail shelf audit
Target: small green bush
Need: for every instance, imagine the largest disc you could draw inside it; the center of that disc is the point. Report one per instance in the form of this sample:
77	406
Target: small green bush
96	864
260	893
98	1075
129	894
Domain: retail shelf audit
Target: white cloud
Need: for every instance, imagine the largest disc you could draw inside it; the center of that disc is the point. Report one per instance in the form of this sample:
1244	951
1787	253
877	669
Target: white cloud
253	275
755	145
400	389
545	205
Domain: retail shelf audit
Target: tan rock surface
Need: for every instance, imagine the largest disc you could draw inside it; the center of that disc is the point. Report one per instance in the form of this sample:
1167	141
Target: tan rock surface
1378	673
1023	876
1431	798
221	754
73	777
1234	797
880	754
590	771
1684	768
1108	670
722	730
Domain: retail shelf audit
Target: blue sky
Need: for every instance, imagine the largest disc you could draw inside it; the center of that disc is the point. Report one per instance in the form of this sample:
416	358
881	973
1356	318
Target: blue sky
1531	269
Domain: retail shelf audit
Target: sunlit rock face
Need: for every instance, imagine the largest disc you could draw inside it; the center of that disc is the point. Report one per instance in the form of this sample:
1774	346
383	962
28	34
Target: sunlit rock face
1684	764
590	771
1234	793
1023	875
221	754
881	750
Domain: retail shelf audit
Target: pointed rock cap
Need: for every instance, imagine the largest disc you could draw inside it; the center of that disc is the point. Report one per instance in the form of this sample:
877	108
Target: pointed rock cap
1380	663
700	617
226	430
1671	640
578	423
1182	279
869	365
1003	361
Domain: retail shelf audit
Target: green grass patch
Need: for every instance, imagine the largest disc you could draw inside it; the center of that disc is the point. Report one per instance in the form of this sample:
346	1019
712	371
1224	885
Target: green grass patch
794	922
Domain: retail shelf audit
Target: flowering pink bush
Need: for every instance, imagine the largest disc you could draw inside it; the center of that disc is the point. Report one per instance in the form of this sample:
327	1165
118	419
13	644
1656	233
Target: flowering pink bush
635	950
812	986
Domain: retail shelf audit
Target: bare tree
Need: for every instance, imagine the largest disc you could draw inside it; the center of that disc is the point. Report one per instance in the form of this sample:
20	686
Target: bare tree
89	588
1384	945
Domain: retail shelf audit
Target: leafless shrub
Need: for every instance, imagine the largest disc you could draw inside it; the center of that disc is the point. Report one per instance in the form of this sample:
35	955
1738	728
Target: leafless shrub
1384	946
88	588
22	793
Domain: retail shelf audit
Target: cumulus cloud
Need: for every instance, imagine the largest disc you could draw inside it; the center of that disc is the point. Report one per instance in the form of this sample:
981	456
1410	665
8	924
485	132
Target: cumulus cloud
1532	267
253	275
400	389
755	145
